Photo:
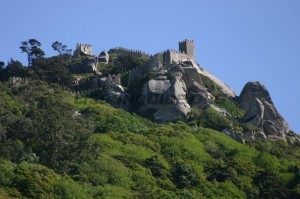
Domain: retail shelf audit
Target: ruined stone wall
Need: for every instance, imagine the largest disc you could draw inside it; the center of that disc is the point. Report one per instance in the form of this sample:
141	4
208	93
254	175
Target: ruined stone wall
172	56
154	64
135	74
122	50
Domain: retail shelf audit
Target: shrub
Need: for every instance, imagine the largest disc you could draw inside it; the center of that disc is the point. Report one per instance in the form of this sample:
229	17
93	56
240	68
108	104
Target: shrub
212	119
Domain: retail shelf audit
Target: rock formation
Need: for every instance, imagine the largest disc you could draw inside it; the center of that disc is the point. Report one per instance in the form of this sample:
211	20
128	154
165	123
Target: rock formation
103	57
261	112
167	98
88	65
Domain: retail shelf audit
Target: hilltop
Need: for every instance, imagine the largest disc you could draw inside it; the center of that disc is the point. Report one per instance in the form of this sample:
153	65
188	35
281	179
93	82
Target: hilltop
126	124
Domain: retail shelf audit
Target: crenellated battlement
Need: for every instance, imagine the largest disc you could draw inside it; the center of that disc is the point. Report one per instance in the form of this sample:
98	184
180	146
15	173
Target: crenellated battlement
185	41
175	51
186	52
187	46
121	49
79	45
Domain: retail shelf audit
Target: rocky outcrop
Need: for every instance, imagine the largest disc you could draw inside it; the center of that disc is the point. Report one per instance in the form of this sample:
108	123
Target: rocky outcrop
255	114
245	137
103	57
116	96
167	98
171	94
223	87
197	94
88	65
261	112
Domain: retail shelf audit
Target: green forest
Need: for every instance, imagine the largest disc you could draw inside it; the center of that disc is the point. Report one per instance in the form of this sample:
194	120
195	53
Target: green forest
56	143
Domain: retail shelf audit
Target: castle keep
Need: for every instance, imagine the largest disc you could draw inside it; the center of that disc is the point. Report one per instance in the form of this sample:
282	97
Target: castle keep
186	52
187	46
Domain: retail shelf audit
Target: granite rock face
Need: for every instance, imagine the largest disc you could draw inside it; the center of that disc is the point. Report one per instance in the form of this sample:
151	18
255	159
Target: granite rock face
260	110
167	98
103	57
88	65
171	96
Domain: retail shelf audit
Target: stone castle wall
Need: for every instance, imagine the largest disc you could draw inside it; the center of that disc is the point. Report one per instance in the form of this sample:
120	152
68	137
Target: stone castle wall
172	56
134	52
186	52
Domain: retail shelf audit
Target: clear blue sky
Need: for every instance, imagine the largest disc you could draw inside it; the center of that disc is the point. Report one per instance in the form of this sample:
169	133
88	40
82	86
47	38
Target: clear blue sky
238	41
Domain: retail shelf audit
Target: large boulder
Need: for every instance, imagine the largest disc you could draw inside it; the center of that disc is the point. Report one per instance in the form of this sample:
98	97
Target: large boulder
88	65
260	110
255	113
103	57
166	98
199	96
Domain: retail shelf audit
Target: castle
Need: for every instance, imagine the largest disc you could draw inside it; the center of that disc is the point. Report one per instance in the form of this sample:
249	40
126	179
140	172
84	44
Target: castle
186	52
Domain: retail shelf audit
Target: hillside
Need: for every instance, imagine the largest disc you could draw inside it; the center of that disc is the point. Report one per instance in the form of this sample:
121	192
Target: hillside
126	124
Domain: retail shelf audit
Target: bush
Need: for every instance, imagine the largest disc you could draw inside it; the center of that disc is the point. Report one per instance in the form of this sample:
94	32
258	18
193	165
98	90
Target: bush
230	106
212	119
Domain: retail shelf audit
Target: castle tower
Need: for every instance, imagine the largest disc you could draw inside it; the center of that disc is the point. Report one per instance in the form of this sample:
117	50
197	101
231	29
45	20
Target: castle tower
187	46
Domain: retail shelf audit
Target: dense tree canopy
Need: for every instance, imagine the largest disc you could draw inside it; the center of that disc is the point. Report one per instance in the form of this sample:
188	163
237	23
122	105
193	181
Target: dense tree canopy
56	145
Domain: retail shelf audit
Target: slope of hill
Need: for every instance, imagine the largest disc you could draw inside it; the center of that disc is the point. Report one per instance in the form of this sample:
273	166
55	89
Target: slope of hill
58	145
128	125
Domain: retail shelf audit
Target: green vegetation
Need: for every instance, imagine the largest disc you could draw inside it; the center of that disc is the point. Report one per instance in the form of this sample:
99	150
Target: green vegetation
56	145
230	106
32	49
124	61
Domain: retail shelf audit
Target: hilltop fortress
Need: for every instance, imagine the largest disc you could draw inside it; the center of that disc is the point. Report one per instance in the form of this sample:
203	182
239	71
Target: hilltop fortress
167	85
157	62
186	53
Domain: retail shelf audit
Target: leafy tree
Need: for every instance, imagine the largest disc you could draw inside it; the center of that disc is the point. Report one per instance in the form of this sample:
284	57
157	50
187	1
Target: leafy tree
157	169
35	181
14	68
212	119
31	48
52	71
185	176
61	48
270	185
126	61
230	106
2	64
